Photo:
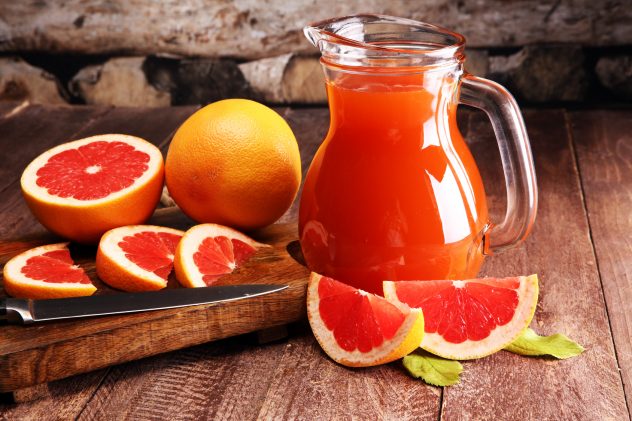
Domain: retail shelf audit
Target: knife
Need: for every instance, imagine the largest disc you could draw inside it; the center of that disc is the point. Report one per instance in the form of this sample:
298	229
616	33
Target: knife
24	311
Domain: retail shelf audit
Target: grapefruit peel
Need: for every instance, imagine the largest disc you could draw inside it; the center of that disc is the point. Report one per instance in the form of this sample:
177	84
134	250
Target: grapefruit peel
498	338
405	340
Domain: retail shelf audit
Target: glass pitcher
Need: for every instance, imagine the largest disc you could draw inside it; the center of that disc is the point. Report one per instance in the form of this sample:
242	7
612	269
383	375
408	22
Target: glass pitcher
393	192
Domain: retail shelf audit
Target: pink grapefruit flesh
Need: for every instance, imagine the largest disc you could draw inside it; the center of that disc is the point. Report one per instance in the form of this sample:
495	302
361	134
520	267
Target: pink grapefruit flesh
92	171
472	318
356	328
54	266
151	250
209	251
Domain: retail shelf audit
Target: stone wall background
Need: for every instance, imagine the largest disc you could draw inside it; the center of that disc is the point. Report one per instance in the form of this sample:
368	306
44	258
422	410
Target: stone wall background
158	53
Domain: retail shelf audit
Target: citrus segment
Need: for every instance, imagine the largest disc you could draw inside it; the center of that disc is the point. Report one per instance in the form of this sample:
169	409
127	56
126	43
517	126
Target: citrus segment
137	257
54	266
234	162
152	251
209	251
359	329
83	188
46	272
472	318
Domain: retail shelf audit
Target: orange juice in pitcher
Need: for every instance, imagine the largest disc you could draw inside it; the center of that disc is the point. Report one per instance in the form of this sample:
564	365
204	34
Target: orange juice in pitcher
393	192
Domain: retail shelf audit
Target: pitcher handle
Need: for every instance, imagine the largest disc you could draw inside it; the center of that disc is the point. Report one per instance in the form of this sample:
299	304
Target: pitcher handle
515	154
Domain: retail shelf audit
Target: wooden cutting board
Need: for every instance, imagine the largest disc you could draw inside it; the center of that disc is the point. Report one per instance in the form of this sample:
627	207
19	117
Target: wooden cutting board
39	353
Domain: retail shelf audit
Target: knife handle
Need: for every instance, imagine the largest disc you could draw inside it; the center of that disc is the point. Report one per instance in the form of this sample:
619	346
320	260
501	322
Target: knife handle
15	311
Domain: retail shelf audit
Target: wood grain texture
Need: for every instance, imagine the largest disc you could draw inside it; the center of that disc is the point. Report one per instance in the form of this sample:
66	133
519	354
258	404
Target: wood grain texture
224	380
560	252
252	29
40	353
63	400
603	142
308	385
155	125
6	108
237	379
34	129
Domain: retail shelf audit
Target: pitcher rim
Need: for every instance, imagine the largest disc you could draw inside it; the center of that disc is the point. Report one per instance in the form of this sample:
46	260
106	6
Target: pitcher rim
441	50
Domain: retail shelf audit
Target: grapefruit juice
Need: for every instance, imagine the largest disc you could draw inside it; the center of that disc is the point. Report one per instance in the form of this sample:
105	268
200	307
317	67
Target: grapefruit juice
393	192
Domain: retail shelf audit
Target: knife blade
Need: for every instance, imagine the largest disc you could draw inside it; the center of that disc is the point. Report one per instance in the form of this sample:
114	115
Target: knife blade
26	311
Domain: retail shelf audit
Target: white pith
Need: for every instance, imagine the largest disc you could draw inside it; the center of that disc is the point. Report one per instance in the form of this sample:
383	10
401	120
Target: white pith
13	269
192	240
93	169
109	246
29	176
499	337
328	341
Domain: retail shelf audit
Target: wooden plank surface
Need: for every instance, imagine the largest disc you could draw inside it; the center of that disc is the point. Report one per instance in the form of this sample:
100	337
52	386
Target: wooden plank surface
9	108
39	353
603	141
156	125
238	379
25	134
34	129
559	250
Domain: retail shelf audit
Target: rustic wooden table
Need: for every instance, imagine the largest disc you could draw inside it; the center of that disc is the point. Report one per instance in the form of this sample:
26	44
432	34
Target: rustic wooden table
581	247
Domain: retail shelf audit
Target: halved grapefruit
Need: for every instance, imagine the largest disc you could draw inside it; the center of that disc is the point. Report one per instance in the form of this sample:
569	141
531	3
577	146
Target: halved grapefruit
81	189
469	319
137	257
358	329
46	272
209	251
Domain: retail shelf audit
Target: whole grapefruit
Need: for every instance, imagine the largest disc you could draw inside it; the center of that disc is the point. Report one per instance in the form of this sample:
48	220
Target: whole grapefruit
234	162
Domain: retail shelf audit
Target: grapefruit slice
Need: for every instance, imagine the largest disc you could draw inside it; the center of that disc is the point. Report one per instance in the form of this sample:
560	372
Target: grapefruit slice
46	272
358	329
209	251
137	257
469	319
81	189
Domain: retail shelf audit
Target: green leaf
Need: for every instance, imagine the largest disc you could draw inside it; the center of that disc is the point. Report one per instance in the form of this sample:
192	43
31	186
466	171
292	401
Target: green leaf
432	369
532	344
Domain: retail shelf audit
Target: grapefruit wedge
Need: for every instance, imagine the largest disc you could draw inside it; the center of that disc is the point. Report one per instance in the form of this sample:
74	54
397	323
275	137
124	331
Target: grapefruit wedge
358	329
469	319
46	272
137	257
209	251
81	189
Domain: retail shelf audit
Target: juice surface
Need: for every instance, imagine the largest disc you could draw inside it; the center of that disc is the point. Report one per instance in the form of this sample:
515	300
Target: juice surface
393	193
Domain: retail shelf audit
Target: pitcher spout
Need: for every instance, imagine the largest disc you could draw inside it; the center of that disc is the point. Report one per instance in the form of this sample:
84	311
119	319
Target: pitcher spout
376	40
